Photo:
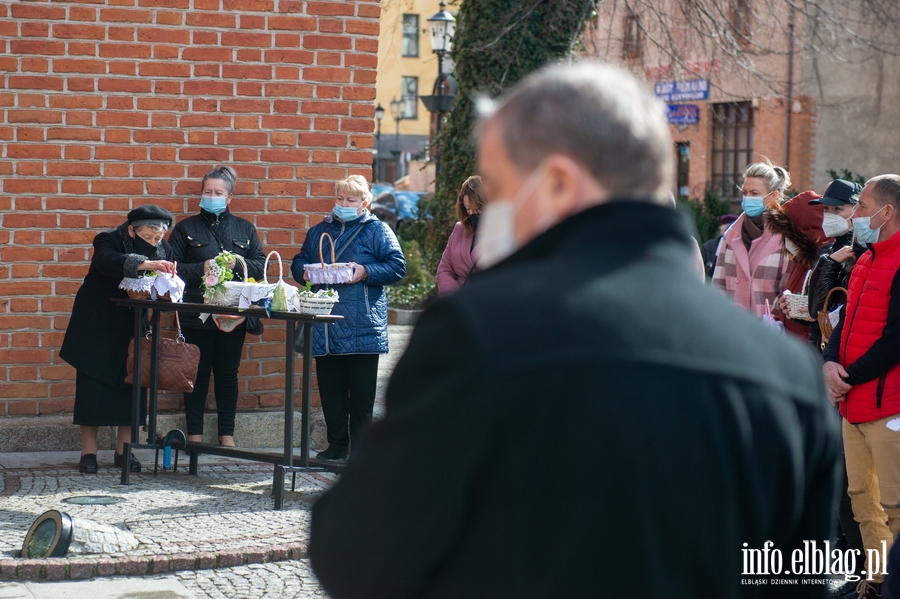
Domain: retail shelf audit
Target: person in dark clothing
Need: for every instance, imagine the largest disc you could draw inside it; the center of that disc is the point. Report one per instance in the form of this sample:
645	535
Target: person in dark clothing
862	372
585	418
709	247
96	341
833	268
195	241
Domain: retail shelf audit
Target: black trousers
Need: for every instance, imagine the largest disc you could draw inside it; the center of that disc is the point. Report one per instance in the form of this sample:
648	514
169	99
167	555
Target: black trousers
220	353
347	389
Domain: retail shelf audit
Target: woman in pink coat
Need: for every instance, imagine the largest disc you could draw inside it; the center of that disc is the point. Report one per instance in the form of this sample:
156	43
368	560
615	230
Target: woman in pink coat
458	260
752	266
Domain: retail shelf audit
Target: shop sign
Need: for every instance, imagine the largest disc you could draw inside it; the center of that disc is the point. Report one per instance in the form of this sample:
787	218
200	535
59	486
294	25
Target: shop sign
684	114
683	91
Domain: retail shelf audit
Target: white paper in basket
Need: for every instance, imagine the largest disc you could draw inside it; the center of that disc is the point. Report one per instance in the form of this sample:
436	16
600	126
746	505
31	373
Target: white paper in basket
254	293
168	283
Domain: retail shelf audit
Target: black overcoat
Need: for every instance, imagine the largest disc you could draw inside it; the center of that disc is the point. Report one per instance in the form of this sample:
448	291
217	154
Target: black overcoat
585	419
96	341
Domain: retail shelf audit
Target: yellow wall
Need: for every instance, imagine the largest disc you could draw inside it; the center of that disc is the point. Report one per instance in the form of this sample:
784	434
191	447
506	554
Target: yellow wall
392	65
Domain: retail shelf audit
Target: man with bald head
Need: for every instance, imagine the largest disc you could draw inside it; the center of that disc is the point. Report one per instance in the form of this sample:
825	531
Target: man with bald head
585	418
862	371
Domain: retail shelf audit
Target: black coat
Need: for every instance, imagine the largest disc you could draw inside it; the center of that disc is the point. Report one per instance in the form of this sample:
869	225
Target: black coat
96	340
585	419
198	238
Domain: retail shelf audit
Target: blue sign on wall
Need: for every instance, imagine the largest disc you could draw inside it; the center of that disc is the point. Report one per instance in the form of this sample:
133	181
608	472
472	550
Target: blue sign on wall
684	114
683	91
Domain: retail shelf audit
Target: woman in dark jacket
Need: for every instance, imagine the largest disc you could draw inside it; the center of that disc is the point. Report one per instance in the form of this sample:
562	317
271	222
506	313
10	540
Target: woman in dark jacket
96	341
195	241
347	350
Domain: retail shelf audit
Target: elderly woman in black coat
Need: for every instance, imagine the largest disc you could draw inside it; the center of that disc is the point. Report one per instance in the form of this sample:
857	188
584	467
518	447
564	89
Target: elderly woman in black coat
96	341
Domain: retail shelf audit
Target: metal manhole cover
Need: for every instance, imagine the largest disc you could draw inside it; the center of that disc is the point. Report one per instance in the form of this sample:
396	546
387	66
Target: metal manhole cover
93	500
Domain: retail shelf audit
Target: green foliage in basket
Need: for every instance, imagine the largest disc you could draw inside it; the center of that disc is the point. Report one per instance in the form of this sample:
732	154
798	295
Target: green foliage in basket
325	292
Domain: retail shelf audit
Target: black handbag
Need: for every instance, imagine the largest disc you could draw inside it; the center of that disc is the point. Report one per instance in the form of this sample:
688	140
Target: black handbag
254	325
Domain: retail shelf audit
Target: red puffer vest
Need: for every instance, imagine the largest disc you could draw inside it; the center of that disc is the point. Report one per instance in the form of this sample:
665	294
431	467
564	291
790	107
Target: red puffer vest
866	314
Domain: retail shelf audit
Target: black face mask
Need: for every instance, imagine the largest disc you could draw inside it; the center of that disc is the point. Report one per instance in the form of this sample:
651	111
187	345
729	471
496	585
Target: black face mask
473	218
143	248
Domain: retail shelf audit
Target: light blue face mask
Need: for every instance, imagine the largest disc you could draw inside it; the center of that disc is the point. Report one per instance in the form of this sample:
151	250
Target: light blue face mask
345	213
753	205
214	204
862	230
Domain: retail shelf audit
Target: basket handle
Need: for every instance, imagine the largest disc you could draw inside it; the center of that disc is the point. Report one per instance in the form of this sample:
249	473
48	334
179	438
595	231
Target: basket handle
239	258
266	267
828	296
805	289
321	256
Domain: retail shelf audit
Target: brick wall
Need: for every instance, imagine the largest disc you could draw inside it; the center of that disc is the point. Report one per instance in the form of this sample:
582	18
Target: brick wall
110	104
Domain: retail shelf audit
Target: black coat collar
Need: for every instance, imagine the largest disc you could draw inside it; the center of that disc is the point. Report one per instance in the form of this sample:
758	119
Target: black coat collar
631	225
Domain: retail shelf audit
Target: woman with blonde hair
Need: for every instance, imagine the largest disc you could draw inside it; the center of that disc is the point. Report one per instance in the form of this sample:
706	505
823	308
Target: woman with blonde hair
458	259
347	350
752	266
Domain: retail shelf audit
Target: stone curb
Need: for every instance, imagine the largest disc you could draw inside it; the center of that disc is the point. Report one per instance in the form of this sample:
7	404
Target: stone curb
51	569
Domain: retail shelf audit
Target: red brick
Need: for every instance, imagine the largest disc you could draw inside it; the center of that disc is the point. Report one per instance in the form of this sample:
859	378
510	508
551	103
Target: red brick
80	32
248	5
284	40
73	169
233	71
290	56
202	120
119	171
207	53
326	42
365	45
56	406
44	47
165	3
292	23
121	119
284	139
205	105
74	186
168	87
363	27
171	171
82	13
332	25
246	155
120	15
246	122
330	8
61	65
32	11
214	154
291	90
121	34
124	51
300	123
164	69
361	60
356	157
32	83
292	156
117	136
35	65
120	153
30	29
204	19
30	134
323	74
117	187
249	88
252	22
33	151
323	139
235	38
257	106
124	85
168	36
82	49
329	59
243	139
325	108
328	92
23	408
369	10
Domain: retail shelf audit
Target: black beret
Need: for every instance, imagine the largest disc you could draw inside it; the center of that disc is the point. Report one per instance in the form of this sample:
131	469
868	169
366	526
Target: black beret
150	214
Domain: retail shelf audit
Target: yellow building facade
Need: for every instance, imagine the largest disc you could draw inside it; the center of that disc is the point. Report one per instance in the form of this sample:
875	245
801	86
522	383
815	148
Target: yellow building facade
407	69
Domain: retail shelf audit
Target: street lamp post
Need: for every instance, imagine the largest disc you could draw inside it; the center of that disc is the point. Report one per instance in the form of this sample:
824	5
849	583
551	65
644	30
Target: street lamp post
397	112
379	114
441	27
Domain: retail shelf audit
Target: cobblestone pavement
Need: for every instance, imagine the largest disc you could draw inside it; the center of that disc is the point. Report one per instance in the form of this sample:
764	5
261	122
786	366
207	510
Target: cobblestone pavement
215	533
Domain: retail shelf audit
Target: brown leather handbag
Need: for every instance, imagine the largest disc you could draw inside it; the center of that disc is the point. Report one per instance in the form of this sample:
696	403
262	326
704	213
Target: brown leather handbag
178	362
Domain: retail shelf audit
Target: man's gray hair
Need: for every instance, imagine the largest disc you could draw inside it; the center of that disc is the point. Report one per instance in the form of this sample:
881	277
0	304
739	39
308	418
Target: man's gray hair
597	115
885	190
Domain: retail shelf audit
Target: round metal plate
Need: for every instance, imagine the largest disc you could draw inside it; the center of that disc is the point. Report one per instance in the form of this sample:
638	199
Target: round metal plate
93	500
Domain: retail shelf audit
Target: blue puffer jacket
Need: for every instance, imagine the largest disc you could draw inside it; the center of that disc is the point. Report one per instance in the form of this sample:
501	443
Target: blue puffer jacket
363	305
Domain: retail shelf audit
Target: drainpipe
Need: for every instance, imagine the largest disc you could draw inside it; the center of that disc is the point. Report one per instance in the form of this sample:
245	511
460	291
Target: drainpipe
790	89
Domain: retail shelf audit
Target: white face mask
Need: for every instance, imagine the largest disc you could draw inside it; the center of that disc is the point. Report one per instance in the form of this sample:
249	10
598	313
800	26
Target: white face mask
835	225
496	235
791	247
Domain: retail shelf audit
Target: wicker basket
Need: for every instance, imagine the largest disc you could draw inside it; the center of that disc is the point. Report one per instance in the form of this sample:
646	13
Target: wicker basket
335	273
229	293
137	287
824	316
314	305
798	303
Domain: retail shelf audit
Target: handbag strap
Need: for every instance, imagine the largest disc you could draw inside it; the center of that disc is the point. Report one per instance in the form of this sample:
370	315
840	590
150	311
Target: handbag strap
350	239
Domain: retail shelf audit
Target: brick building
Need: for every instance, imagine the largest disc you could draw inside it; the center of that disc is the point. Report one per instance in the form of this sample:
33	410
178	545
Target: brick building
109	104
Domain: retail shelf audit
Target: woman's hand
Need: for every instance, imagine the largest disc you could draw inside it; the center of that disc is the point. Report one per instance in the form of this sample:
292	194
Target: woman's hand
782	304
843	254
359	273
158	266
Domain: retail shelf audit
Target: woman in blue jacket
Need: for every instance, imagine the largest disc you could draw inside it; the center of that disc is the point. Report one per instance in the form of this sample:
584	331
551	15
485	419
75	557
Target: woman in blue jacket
347	350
